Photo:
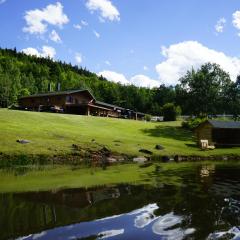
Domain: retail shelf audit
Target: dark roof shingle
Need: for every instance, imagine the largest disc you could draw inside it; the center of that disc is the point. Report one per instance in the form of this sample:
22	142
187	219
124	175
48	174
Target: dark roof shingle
224	124
57	93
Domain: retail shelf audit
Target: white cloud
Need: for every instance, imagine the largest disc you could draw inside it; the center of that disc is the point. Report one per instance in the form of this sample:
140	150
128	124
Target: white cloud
77	26
144	81
37	20
145	68
105	7
114	77
84	23
80	25
183	56
107	63
220	25
137	80
31	51
96	34
78	58
46	51
236	19
2	1
55	37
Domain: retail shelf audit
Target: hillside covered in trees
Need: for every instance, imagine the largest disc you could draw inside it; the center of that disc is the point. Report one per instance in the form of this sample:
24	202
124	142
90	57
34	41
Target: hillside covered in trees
208	90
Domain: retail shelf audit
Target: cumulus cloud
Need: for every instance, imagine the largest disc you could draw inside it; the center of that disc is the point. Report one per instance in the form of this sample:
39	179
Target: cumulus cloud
80	25
144	81
55	37
46	52
236	19
219	27
84	23
78	58
114	77
77	26
96	34
37	20
137	80
145	68
107	63
183	56
105	7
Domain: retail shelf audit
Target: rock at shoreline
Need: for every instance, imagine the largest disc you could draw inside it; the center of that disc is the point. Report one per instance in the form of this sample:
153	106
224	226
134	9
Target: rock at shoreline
140	159
23	141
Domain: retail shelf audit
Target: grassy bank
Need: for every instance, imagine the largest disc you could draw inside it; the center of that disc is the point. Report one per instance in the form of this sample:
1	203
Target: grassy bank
54	134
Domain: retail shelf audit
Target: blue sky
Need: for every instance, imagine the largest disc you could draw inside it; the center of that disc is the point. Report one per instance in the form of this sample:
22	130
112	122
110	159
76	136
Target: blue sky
144	42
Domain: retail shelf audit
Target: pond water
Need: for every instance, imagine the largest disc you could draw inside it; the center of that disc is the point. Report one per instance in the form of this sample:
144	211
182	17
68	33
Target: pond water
202	203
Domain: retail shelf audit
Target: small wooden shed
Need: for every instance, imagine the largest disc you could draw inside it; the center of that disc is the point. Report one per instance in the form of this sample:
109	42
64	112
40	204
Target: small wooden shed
219	133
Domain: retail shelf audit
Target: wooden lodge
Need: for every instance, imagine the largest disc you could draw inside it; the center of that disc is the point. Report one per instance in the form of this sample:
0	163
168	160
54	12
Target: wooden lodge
80	102
219	133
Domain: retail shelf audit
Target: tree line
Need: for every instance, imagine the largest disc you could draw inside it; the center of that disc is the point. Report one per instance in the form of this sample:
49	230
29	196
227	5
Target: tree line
208	90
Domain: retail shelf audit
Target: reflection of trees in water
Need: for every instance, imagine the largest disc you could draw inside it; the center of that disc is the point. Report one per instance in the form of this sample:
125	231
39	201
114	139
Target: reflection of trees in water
196	198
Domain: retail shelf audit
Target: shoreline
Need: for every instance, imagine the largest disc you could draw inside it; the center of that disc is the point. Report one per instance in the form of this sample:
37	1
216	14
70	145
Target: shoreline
101	159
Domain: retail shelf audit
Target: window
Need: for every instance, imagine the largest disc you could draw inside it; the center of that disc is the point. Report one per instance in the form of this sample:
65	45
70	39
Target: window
69	99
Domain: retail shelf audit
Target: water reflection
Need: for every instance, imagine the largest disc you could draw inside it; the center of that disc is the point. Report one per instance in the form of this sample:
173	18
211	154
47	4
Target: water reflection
205	205
123	224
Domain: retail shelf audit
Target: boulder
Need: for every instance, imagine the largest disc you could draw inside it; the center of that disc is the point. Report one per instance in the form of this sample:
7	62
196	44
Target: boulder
140	159
145	151
23	141
159	147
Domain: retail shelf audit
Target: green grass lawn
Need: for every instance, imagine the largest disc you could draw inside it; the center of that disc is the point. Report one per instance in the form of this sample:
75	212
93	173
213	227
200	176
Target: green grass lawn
54	134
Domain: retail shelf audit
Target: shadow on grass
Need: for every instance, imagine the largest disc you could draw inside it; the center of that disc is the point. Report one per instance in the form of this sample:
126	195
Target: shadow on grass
176	133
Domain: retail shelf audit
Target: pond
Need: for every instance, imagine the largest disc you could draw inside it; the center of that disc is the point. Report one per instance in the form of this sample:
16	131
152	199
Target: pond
203	203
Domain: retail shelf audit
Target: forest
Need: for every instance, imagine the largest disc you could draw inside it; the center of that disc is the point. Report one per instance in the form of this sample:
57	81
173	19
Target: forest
203	91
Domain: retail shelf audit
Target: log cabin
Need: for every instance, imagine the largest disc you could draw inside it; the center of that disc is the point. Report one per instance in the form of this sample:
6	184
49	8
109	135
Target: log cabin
219	133
80	102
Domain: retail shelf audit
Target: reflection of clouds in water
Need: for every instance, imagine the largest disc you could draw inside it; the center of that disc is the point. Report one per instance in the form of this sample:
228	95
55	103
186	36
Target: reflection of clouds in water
146	217
142	222
39	235
233	233
162	225
147	208
110	233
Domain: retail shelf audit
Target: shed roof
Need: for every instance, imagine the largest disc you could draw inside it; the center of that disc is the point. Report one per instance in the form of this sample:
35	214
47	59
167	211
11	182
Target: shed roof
224	124
58	93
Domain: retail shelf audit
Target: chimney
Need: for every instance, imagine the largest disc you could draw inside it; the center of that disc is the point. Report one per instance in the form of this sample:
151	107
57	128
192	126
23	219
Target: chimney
58	86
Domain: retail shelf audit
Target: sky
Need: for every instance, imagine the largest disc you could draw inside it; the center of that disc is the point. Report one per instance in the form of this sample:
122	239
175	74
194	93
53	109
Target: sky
140	42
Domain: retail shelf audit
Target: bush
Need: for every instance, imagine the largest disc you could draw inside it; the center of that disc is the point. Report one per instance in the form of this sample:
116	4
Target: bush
170	112
192	123
147	117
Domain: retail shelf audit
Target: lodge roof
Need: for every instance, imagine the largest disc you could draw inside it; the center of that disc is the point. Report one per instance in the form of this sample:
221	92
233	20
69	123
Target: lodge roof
58	93
224	124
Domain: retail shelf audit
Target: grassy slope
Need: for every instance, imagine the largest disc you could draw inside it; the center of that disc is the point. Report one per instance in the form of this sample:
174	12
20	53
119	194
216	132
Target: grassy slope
55	133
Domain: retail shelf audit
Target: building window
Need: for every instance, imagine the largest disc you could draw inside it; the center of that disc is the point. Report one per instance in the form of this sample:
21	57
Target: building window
69	99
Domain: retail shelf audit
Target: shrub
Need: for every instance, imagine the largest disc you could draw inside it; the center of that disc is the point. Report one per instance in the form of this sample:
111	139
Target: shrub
147	117
170	112
192	123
